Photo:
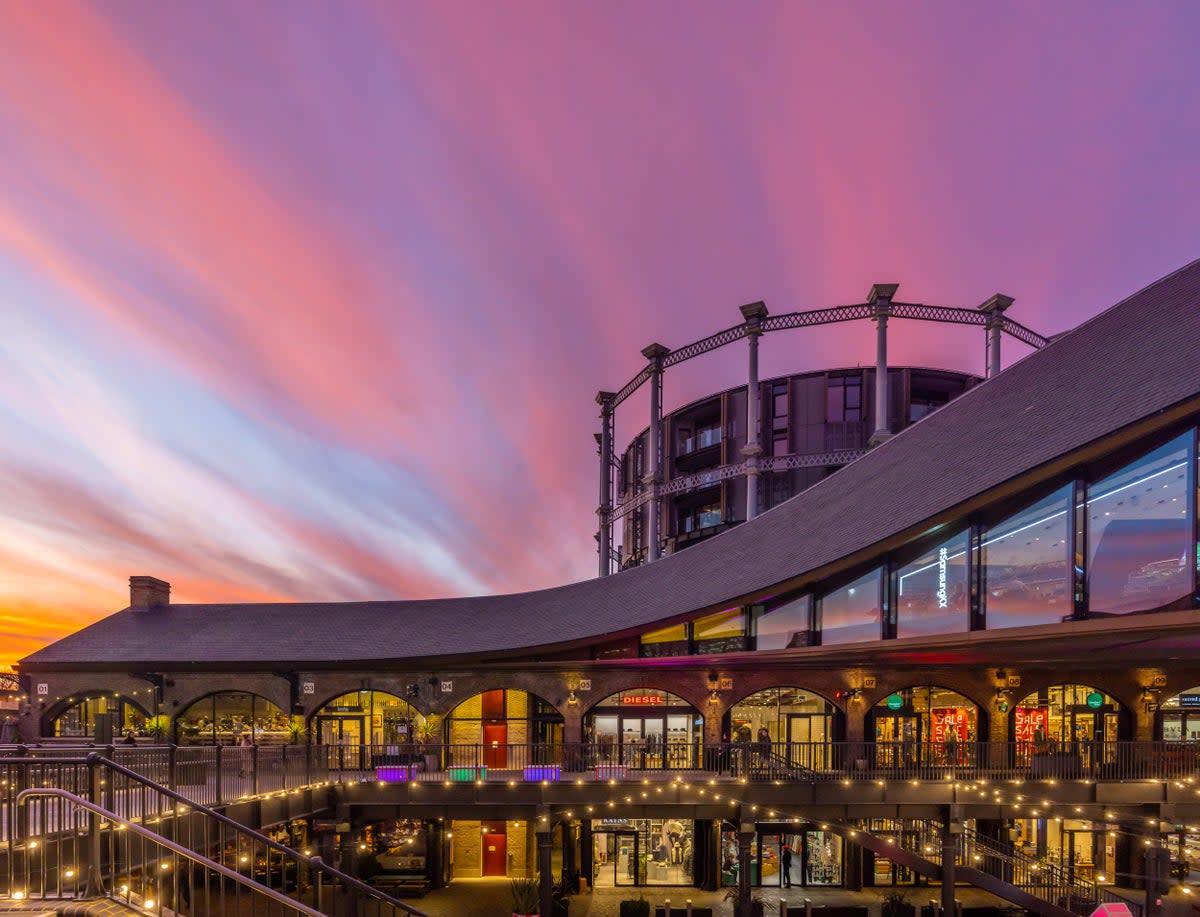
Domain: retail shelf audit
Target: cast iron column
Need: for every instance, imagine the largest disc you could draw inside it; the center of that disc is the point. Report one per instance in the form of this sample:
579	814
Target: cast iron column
654	353
605	400
753	313
950	830
744	839
545	847
881	298
994	308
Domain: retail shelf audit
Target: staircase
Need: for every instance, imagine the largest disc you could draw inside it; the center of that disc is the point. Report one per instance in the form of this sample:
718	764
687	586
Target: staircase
80	829
987	864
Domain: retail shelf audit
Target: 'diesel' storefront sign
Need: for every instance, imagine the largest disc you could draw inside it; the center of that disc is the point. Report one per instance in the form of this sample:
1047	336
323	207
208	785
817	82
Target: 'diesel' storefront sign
1027	721
643	700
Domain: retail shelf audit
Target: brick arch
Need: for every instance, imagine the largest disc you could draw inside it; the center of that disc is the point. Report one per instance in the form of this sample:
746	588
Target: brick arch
184	708
317	707
560	709
966	686
59	707
602	690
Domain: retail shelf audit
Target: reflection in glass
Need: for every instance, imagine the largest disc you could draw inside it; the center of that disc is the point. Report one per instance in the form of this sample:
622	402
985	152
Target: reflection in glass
931	592
785	626
1181	717
1140	533
852	613
1026	565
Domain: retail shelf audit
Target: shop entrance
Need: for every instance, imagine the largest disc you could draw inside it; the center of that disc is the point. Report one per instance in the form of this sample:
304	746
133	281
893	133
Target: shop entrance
645	740
897	739
495	849
342	736
495	745
614	858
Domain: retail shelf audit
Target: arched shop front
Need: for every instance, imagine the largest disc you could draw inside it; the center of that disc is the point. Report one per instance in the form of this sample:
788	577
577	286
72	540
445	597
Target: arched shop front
1076	720
644	728
1179	717
227	717
362	724
101	717
801	724
923	725
504	729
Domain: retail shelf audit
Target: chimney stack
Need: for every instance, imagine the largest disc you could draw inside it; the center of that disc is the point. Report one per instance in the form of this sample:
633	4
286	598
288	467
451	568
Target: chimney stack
147	593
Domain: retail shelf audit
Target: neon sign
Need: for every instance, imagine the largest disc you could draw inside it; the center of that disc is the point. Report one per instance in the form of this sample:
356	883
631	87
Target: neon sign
642	700
942	597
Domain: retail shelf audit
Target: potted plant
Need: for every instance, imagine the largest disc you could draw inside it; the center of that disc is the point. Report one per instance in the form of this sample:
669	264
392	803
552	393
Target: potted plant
635	907
758	905
430	731
297	731
895	904
156	728
526	896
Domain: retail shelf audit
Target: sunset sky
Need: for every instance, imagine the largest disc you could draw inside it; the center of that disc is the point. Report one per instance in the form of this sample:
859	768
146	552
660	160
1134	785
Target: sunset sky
311	299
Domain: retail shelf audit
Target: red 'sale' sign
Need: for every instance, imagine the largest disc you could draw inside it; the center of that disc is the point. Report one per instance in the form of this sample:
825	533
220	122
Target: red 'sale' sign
1028	720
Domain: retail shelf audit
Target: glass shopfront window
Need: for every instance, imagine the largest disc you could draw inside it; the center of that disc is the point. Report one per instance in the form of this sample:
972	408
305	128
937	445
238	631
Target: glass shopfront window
785	856
784	627
1140	551
798	722
1180	717
724	632
1076	720
504	729
669	641
1026	565
924	725
643	728
642	851
852	614
1085	850
931	592
81	718
230	718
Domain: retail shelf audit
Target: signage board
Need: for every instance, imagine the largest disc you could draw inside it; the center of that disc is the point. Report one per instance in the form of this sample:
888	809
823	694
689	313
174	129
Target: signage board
308	687
447	686
868	682
645	699
1028	720
585	684
895	701
1189	700
1095	700
43	689
725	683
949	720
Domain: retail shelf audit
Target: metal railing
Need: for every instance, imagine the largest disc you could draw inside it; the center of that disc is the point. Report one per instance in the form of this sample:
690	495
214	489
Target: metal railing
127	861
219	775
44	845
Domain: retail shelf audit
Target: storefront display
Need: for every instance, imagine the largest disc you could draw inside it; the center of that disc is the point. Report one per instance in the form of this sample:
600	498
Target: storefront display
1073	720
642	851
924	725
784	856
643	728
800	725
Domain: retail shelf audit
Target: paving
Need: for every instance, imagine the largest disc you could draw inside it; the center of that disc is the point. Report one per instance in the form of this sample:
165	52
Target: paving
490	898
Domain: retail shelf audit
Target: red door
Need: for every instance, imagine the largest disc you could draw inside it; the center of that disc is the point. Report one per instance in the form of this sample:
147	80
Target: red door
495	745
495	854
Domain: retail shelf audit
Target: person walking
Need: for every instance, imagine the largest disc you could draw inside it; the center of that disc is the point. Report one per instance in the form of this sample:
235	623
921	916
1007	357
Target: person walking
785	858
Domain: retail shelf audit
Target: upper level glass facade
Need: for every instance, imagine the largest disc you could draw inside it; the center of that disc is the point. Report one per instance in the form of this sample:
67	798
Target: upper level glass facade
1119	540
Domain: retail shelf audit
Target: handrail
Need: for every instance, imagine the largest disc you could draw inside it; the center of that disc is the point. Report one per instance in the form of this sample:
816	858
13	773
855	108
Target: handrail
177	849
313	862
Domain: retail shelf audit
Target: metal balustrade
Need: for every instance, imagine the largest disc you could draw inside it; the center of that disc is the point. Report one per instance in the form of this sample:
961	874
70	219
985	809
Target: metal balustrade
44	844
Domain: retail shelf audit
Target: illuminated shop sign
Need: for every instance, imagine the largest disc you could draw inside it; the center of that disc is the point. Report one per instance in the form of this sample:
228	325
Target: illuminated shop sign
1189	700
643	700
1027	722
942	597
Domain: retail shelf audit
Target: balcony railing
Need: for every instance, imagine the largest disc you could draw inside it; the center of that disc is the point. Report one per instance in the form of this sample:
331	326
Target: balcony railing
701	440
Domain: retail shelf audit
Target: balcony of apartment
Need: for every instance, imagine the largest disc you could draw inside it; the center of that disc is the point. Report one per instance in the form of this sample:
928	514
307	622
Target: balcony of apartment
699	449
842	435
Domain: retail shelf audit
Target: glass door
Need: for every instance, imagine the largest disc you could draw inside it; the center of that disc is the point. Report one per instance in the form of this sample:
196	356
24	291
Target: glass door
807	740
821	859
679	741
897	740
627	859
654	741
342	736
768	866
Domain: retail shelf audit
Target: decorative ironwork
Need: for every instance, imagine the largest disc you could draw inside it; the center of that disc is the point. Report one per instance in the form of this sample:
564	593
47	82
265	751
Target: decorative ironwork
927	313
810	460
817	317
631	386
10	683
625	507
1023	334
703	478
712	342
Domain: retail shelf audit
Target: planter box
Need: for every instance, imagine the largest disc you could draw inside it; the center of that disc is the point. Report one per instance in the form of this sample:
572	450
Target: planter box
393	774
543	772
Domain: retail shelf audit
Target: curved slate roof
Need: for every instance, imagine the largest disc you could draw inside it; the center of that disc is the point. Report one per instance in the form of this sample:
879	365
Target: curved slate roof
1131	361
